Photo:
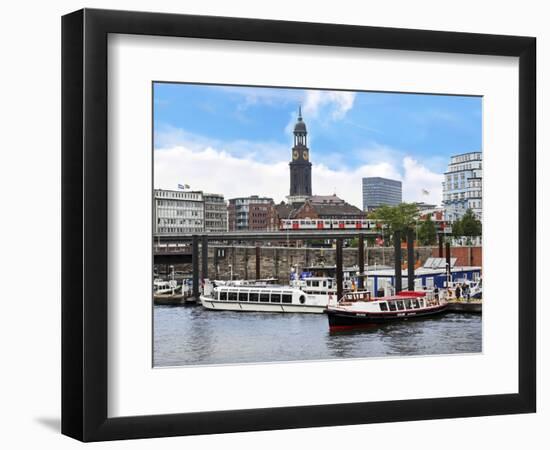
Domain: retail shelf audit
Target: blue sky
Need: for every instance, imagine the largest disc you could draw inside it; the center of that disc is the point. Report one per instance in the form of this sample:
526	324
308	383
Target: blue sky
353	132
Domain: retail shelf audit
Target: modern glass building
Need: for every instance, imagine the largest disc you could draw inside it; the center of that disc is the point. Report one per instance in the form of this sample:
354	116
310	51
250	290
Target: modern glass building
462	186
379	191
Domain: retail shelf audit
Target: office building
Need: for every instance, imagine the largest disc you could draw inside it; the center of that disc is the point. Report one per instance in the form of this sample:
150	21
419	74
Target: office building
178	212
215	213
379	191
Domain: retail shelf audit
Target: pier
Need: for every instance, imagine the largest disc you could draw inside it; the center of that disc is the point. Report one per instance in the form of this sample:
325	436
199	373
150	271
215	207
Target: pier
337	236
272	251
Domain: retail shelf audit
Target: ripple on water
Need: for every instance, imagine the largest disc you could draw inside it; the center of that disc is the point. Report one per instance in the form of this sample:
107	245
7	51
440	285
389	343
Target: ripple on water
195	336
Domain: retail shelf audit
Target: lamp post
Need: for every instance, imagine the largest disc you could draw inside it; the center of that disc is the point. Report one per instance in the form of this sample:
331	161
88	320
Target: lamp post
231	272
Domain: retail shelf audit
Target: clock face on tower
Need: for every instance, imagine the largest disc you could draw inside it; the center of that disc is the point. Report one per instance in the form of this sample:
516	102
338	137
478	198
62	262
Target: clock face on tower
305	155
295	154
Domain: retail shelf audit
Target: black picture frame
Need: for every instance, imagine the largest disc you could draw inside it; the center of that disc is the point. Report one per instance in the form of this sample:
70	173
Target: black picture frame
84	224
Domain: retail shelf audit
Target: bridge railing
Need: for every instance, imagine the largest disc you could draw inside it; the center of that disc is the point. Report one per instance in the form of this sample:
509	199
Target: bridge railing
158	249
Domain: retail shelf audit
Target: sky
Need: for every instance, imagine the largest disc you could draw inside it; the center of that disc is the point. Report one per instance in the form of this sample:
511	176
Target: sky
237	140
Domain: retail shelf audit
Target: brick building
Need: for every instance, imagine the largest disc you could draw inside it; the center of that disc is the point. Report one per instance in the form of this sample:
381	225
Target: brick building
251	213
319	207
262	217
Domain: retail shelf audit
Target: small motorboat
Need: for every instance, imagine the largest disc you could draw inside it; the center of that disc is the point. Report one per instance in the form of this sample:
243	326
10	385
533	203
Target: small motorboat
359	309
465	296
167	292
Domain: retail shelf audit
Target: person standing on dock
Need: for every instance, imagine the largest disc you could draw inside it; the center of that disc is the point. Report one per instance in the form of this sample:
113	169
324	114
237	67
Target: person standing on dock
458	291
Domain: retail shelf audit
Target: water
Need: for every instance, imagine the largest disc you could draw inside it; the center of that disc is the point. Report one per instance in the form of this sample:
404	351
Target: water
192	335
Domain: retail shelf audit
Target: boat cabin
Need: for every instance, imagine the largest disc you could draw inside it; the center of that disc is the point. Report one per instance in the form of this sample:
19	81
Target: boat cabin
391	303
257	295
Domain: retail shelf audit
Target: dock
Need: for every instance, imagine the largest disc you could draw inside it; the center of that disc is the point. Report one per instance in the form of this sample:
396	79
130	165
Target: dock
465	306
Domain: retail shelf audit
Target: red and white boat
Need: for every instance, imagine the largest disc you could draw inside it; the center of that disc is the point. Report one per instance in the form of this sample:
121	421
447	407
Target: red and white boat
358	309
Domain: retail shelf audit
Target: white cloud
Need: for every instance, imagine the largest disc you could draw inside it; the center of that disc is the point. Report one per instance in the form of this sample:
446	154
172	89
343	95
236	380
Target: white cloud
217	171
338	103
348	184
318	107
170	137
418	178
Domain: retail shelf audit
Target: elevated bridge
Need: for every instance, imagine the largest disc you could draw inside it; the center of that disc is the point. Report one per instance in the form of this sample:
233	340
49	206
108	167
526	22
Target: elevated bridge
290	235
184	247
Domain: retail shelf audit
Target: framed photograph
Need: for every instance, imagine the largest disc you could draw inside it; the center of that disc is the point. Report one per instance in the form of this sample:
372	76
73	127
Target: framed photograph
273	224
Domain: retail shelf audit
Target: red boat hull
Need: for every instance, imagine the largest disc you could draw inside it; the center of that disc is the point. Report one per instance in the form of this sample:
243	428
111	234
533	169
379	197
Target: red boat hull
344	320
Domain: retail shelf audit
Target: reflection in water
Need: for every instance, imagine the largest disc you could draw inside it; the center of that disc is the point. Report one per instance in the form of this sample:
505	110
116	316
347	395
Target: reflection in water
195	336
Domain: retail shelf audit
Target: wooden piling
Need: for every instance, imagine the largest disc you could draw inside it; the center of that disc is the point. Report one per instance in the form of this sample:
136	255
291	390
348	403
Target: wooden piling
361	261
204	258
258	262
397	262
410	259
339	269
195	260
448	258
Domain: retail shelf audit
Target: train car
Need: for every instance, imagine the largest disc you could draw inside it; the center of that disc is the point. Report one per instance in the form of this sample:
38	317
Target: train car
354	224
346	224
329	224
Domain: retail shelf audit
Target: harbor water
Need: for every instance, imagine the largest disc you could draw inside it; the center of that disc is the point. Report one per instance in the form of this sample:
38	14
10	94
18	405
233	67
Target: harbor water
192	335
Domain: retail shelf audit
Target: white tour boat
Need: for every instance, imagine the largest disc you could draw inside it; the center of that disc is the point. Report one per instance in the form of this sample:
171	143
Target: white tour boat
311	295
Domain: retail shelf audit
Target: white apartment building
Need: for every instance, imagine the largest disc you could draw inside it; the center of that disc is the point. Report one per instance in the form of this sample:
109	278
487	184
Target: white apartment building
462	188
178	211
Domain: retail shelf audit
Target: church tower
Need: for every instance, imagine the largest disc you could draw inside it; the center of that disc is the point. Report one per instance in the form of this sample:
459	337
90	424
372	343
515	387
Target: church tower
300	166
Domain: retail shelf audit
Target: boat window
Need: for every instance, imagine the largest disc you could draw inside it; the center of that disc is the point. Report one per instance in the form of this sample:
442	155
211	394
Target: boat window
243	297
420	303
302	299
400	305
415	303
275	298
223	295
383	306
407	304
254	296
264	297
392	306
232	296
287	298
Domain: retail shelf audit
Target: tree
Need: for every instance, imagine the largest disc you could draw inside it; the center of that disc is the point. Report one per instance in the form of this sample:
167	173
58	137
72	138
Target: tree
354	242
427	232
470	225
457	228
397	218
